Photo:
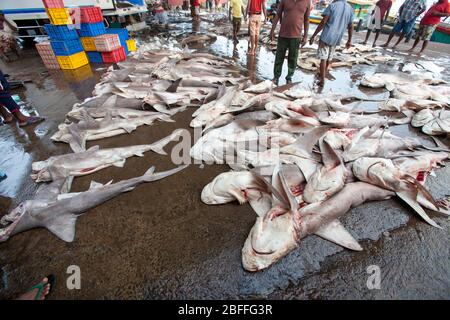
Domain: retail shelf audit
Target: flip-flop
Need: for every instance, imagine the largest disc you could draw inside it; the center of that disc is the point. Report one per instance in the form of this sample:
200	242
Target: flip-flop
51	280
30	121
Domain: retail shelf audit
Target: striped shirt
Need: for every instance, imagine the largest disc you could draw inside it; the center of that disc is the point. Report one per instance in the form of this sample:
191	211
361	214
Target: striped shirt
411	9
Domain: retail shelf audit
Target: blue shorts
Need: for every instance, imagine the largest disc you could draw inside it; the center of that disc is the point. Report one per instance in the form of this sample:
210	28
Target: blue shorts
404	26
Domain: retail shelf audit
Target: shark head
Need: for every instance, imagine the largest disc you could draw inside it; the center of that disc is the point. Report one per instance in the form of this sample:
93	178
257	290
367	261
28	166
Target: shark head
272	237
10	220
40	171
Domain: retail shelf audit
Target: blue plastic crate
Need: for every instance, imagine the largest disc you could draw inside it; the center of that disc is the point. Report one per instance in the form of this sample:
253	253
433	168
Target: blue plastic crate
125	47
67	47
92	29
63	32
95	57
121	32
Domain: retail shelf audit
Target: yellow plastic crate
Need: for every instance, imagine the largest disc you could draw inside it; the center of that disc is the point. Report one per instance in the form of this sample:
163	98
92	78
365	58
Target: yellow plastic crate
73	61
88	43
78	75
59	16
131	44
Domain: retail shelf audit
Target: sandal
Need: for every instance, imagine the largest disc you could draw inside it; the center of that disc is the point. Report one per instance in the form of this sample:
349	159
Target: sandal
30	121
51	280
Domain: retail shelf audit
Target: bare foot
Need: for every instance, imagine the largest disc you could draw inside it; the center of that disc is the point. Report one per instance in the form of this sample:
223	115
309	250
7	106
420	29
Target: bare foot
38	292
364	42
384	45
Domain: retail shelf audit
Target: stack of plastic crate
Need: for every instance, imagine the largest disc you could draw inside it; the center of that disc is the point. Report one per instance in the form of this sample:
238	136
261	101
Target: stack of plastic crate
47	55
91	27
123	36
64	39
89	15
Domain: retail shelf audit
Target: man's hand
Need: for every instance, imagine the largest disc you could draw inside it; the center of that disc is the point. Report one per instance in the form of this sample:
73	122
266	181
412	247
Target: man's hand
311	40
304	40
272	35
348	44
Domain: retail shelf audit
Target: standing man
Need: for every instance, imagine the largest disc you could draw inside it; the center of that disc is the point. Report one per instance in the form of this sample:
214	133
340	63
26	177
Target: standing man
377	19
196	10
253	12
429	23
337	17
408	13
294	15
235	13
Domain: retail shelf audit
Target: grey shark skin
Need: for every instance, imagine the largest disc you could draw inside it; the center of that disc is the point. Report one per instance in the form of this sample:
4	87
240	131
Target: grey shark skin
59	215
94	159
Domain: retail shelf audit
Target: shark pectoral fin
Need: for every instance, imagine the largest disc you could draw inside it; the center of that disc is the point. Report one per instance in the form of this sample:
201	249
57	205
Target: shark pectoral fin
128	128
158	149
63	227
119	163
78	139
335	232
389	86
94	148
412	202
293	203
330	158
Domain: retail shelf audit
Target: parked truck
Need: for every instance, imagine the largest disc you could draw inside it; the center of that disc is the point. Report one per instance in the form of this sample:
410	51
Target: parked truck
30	17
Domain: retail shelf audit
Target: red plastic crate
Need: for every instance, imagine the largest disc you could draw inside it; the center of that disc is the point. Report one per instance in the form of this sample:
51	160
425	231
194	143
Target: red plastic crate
53	3
114	56
90	14
107	42
48	57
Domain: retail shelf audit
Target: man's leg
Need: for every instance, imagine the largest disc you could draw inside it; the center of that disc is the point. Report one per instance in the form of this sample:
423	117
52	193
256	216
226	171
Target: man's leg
7	116
282	46
258	29
367	36
377	34
402	35
396	30
424	46
12	107
391	35
322	72
416	42
292	58
238	27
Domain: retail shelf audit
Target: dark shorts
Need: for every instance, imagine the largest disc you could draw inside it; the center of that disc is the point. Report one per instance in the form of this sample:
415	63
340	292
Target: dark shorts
237	21
8	102
404	26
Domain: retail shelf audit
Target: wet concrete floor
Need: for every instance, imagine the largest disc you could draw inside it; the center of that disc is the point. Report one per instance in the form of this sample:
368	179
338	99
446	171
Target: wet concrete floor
161	241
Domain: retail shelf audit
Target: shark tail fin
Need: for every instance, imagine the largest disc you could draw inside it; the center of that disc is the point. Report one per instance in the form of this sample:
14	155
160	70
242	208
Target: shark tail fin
335	232
159	145
150	174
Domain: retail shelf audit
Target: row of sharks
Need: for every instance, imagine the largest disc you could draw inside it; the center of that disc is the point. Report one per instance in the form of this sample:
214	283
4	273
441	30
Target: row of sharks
300	159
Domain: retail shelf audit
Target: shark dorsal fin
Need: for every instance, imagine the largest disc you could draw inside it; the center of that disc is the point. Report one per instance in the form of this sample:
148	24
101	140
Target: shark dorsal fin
174	86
